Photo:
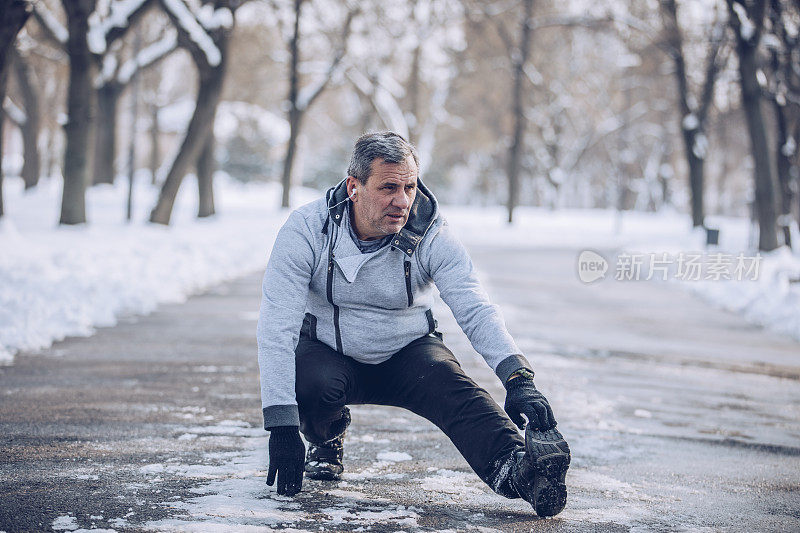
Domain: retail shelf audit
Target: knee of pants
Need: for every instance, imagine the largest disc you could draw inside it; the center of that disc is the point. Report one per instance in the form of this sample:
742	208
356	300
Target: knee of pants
319	392
442	391
442	371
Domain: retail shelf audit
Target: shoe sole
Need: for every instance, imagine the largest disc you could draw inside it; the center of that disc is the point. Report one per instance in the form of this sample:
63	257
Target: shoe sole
550	468
323	473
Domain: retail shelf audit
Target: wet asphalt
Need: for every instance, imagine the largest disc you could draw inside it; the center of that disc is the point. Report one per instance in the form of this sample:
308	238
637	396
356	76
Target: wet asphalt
680	417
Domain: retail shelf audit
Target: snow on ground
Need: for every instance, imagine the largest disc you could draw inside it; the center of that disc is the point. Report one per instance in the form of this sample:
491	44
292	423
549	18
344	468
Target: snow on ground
231	494
65	523
393	457
66	281
235	497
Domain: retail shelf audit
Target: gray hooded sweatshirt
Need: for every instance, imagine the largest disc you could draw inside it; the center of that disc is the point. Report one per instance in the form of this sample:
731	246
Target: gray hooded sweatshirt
366	305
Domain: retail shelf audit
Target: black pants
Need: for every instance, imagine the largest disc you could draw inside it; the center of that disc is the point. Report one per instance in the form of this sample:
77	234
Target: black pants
424	377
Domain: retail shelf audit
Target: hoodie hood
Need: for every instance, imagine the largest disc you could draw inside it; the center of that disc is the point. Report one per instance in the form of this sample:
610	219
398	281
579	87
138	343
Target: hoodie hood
422	214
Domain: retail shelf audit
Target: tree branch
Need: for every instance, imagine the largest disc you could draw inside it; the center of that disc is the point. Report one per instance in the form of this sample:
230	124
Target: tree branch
14	113
191	33
714	63
148	56
119	21
382	101
500	28
53	30
313	94
571	21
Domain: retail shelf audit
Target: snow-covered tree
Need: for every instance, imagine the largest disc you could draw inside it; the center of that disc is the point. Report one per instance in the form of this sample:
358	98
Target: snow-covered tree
694	107
92	28
783	89
205	33
109	23
293	19
516	25
518	49
403	61
747	19
27	119
115	76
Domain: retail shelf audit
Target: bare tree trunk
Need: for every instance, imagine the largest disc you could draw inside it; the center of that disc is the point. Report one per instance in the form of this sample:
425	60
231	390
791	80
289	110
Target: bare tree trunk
724	169
368	111
519	58
693	117
105	146
764	180
136	81
51	159
297	108
13	14
781	65
3	79
784	167
751	103
206	164
695	176
211	79
295	117
79	112
200	126
794	172
31	166
294	112
108	96
414	96
155	155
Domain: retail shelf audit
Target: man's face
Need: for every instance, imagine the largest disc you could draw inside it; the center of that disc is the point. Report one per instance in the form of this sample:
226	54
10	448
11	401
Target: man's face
381	207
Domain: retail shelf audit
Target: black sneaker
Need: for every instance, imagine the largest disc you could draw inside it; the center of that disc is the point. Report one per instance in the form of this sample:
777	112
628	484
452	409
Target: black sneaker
539	474
324	461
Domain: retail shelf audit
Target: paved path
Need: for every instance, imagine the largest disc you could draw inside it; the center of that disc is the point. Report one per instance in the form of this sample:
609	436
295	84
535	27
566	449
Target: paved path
680	417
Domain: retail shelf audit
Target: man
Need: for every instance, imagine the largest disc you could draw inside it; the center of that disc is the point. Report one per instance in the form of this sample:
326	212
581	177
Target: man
346	319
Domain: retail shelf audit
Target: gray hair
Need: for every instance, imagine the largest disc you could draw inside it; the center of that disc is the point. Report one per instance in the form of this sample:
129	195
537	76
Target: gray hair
386	145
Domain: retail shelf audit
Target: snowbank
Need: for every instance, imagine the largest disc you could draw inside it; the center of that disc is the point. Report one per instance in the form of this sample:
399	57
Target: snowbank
65	281
772	300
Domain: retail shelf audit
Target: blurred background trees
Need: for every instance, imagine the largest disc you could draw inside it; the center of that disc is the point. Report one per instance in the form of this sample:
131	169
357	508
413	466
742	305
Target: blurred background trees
13	14
630	104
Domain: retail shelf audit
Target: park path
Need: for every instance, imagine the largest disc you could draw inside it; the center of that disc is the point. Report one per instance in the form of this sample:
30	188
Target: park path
680	417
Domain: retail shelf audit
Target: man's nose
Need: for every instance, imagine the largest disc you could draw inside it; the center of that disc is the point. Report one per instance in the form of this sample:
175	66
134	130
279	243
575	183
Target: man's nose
402	200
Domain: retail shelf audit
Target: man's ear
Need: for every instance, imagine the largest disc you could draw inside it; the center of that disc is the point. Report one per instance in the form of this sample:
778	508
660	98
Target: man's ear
352	185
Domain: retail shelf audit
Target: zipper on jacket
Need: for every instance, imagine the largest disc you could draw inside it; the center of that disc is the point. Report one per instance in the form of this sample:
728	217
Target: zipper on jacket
329	290
407	268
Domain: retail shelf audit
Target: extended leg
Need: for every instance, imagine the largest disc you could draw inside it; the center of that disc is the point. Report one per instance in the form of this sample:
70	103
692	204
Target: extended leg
426	378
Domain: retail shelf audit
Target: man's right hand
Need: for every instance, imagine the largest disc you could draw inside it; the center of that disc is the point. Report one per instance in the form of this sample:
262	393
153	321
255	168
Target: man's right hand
286	459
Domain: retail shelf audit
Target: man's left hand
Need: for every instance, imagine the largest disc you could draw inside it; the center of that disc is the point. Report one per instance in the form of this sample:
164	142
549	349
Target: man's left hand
523	398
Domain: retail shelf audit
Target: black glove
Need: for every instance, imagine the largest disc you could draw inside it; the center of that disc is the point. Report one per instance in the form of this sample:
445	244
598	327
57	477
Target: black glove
286	458
523	398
